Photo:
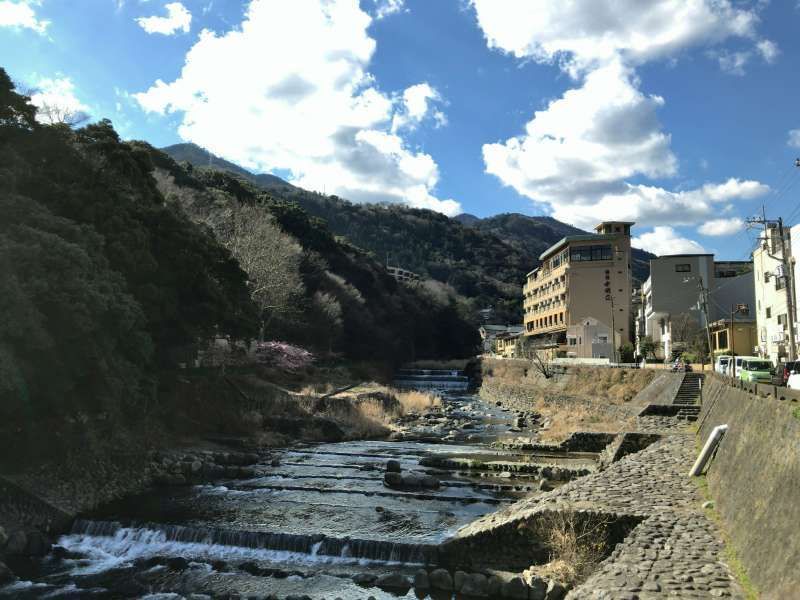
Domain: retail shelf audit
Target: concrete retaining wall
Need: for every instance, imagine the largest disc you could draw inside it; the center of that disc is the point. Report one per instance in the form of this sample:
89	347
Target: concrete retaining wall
662	390
755	480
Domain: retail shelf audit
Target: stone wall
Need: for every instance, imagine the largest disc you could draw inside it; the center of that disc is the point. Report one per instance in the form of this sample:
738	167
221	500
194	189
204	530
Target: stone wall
754	478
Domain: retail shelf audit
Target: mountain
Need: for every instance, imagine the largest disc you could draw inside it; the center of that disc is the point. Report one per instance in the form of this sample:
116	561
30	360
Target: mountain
199	157
484	260
534	235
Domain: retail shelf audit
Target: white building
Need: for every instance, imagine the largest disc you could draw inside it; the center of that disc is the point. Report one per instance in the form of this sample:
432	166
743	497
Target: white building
673	289
771	305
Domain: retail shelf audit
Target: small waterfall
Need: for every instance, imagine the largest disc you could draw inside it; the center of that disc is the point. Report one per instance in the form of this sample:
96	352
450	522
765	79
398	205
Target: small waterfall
431	379
312	545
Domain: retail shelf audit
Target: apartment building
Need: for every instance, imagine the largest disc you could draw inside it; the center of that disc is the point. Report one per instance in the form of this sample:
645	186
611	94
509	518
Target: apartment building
403	275
580	277
771	305
673	291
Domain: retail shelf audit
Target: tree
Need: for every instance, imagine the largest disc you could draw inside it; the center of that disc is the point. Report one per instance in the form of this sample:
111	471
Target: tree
270	258
539	357
54	114
626	353
648	347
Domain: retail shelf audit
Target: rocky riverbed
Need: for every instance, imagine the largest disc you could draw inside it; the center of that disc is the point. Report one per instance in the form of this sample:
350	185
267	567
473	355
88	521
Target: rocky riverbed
339	520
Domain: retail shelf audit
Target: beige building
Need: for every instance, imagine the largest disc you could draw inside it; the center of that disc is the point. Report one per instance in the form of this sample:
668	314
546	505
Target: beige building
581	276
771	306
743	335
589	339
505	344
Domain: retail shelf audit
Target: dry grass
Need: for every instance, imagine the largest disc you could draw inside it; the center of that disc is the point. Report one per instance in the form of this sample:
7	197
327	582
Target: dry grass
579	416
415	401
577	544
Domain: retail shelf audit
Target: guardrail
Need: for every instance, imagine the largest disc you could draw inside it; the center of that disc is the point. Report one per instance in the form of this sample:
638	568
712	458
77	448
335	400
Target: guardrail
764	390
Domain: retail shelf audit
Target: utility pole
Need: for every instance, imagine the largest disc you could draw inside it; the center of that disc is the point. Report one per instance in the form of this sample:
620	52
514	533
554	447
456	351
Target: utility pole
786	273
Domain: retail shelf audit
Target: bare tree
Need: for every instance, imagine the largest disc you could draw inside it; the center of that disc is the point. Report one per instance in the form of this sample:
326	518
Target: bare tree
52	114
270	258
539	357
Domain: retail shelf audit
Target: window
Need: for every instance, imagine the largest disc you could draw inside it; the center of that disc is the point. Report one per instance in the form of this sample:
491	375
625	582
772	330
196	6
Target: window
683	268
780	283
590	253
602	339
722	339
783	320
572	341
769	312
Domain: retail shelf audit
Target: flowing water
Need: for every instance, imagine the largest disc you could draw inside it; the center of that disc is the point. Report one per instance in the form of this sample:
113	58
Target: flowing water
314	521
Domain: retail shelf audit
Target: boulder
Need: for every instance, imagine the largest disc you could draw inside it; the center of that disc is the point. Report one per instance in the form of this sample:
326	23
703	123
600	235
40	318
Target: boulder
6	576
393	581
177	563
537	588
440	580
195	467
17	542
494	587
475	585
393	480
37	544
458	580
545	486
393	466
430	482
3	539
421	581
555	590
364	579
515	588
413	480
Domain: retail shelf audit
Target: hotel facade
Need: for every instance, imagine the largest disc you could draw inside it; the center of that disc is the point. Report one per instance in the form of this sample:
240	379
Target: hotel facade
582	278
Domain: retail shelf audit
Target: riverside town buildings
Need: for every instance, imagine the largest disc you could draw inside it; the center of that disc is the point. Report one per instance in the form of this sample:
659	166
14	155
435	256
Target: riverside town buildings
673	298
581	291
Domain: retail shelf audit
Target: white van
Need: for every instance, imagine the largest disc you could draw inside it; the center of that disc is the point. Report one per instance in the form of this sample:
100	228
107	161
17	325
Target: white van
722	363
739	360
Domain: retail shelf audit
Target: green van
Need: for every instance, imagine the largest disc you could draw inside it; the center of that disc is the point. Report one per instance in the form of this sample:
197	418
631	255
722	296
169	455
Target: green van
756	369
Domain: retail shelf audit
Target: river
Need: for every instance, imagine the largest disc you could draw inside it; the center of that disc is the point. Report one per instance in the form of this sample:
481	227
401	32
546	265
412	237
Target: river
315	520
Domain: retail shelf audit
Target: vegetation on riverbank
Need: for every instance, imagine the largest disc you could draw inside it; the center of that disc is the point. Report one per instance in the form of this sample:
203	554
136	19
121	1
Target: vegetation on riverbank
117	265
579	399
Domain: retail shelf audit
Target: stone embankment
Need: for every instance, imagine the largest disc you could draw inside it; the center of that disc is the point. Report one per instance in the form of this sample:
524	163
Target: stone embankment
754	477
641	504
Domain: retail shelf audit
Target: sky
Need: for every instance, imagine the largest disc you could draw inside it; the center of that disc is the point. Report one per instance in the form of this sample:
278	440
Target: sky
679	115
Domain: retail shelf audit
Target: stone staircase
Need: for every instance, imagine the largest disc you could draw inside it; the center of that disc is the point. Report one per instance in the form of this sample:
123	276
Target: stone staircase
688	397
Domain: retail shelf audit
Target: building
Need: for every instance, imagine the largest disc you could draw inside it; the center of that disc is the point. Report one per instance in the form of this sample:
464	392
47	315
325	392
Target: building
744	335
403	275
505	344
672	297
589	339
771	302
580	277
490	332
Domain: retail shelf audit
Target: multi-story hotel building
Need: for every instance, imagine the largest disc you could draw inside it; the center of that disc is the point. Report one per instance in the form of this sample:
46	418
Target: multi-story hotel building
580	277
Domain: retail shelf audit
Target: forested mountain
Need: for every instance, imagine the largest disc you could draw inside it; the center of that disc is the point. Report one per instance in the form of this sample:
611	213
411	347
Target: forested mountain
483	260
115	261
533	235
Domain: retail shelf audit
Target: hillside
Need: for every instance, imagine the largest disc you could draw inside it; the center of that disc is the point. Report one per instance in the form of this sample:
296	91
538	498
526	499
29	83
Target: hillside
533	235
484	260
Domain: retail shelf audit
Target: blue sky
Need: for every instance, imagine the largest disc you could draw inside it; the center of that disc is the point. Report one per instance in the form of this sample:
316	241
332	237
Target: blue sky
681	116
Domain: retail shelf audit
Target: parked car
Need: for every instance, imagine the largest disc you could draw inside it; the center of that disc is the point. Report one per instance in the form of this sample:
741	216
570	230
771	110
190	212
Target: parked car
680	367
737	368
722	363
757	370
793	383
785	370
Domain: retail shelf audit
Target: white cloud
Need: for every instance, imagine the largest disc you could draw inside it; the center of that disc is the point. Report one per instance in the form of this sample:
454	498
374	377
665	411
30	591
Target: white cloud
733	63
418	102
721	226
768	50
178	19
56	99
580	35
384	8
578	154
663	241
311	107
21	15
794	138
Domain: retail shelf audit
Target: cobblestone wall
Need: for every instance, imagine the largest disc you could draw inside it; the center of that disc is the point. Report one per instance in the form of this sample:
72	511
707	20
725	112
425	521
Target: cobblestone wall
754	479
